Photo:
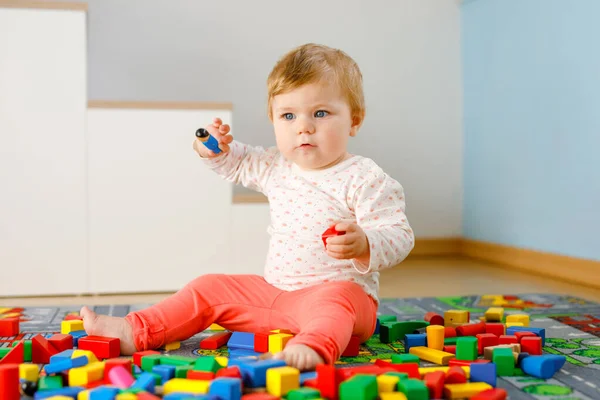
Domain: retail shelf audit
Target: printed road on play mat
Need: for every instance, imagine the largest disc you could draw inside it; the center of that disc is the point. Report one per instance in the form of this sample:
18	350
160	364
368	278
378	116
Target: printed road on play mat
572	329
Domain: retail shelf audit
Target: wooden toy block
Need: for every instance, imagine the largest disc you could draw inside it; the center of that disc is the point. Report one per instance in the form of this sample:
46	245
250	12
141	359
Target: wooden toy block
352	348
304	393
484	373
282	331
215	327
495	328
522	318
200	375
29	372
392	331
65	365
9	327
504	360
414	389
431	355
241	340
393	396
434	318
41	350
521	335
207	364
186	386
120	377
330	232
489	351
386	383
223	361
229	372
541	332
259	396
115	362
26	348
277	342
451	348
165	372
102	347
172	346
456	375
70	326
328	380
464	390
404	358
428	370
471	329
89	373
255	373
61	342
177	360
144	381
449	332
261	342
494	314
226	388
50	382
455	318
414	340
543	367
491	394
104	393
411	369
466	348
513	324
281	380
508	339
90	356
359	387
486	340
435	384
137	356
466	363
532	345
126	396
77	335
181	371
9	381
435	337
15	355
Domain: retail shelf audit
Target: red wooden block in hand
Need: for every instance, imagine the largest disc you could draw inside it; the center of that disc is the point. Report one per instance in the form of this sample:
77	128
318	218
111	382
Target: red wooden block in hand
508	339
331	232
137	356
15	356
435	383
491	394
456	375
261	342
115	362
434	318
486	340
215	341
495	328
102	347
41	350
9	327
521	335
532	345
352	348
9	382
61	342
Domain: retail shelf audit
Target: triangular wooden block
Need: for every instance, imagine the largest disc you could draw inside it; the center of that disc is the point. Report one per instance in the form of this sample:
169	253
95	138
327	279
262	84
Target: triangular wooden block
15	356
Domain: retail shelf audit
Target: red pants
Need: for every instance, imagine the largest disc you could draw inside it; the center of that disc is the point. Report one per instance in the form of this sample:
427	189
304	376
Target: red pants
323	317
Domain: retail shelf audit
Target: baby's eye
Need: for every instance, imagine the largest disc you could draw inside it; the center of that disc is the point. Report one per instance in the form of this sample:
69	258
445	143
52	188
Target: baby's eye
321	113
287	116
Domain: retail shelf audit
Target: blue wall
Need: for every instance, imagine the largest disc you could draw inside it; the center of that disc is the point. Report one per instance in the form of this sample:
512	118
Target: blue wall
531	72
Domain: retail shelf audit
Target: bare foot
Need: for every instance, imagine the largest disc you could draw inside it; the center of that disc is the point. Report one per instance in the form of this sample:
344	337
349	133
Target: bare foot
300	356
114	327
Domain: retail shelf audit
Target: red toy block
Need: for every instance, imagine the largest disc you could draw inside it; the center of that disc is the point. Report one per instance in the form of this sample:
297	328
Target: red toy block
491	394
61	342
215	341
137	356
41	350
434	318
331	232
450	349
486	340
116	362
532	345
229	372
465	363
352	348
435	383
349	372
328	381
14	356
147	396
508	339
449	331
521	335
9	327
9	382
102	347
71	317
261	342
256	396
311	383
412	369
200	375
456	374
495	328
471	329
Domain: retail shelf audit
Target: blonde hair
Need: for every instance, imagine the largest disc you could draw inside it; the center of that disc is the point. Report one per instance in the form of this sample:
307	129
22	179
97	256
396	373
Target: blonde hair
312	63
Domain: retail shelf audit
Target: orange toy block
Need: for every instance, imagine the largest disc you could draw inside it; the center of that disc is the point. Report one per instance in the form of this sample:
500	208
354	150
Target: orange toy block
102	347
9	327
15	356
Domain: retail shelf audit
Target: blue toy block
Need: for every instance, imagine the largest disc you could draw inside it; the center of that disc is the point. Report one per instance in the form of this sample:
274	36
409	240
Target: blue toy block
304	376
237	353
72	391
65	364
136	370
414	340
63	355
541	332
76	336
521	357
543	367
145	381
484	373
241	340
188	396
226	388
254	373
377	327
166	372
103	393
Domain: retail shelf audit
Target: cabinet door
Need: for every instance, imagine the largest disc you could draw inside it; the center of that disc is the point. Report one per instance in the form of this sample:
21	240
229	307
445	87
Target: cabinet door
158	216
42	152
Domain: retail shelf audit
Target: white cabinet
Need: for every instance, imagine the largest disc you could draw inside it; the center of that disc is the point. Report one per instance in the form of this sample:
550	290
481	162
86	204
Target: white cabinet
42	151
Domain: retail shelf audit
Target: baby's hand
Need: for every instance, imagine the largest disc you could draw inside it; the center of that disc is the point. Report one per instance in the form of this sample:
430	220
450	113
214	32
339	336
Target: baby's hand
220	132
354	244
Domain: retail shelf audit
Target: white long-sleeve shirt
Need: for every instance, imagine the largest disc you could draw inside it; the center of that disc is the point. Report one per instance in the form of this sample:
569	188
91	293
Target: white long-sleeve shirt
303	204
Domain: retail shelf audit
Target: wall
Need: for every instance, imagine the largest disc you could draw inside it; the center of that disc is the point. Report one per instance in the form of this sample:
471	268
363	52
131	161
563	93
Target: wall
532	126
409	52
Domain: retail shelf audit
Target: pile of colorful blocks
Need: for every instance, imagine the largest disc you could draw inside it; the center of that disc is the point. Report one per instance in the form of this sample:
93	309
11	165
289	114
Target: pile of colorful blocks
463	361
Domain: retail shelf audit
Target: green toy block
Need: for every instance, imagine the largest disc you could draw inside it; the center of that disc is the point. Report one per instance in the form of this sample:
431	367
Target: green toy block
50	382
414	389
404	358
450	340
505	361
182	370
304	393
518	372
4	351
177	360
148	362
466	348
26	347
387	318
133	391
359	387
157	378
207	364
401	375
392	331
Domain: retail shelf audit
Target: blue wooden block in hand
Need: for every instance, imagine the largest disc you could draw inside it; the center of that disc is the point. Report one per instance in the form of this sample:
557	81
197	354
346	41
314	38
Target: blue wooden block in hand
543	367
483	373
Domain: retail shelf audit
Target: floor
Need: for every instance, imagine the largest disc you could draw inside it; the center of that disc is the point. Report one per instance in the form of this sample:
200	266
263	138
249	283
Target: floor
415	277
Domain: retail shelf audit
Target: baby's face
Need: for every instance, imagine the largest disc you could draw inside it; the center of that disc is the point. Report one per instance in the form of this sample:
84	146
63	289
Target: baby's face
312	125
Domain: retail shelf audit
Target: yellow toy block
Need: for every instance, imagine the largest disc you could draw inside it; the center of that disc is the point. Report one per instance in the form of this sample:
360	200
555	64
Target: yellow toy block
90	356
522	318
59	397
278	341
191	386
427	370
83	395
509	324
126	396
216	327
456	318
67	327
464	390
494	314
4	309
281	380
223	361
81	376
29	372
10	315
392	396
435	337
387	383
172	346
435	356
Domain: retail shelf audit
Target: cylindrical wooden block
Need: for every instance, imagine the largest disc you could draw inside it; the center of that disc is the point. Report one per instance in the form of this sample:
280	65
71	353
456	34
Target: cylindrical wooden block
120	377
435	337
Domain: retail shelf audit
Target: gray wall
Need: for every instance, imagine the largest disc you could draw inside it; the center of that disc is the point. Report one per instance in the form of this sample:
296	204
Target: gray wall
223	50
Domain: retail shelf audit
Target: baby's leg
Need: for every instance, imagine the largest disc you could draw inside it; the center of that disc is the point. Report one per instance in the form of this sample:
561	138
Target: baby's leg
327	316
236	302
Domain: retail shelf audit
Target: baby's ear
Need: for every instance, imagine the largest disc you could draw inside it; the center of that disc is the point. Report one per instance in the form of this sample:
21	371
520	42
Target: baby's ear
357	121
